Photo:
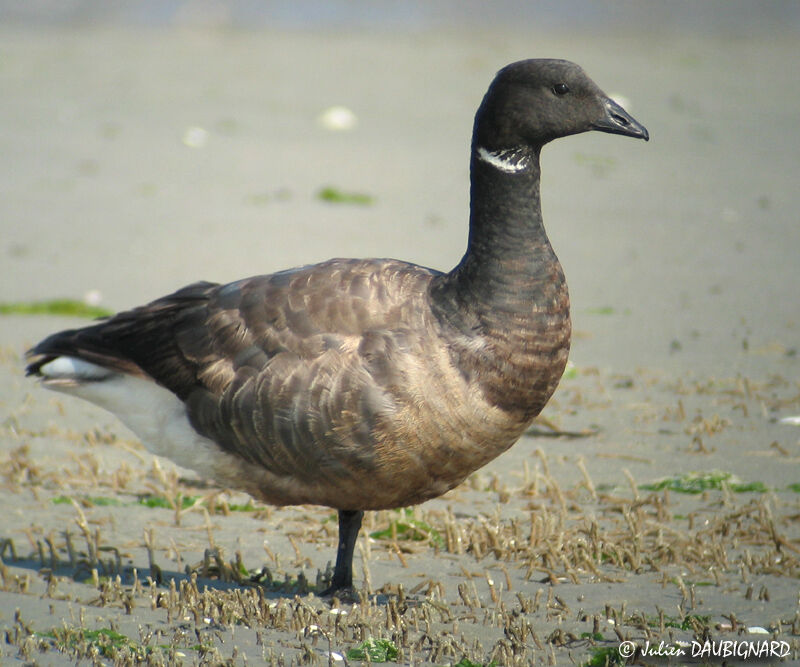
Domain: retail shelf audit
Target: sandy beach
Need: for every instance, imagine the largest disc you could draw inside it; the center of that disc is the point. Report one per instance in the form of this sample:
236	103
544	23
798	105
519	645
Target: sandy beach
135	160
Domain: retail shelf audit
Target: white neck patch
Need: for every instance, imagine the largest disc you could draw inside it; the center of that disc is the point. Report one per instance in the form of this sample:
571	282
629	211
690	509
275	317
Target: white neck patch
509	161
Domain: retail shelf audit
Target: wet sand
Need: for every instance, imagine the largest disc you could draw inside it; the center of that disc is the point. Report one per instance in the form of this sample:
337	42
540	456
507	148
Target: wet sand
681	256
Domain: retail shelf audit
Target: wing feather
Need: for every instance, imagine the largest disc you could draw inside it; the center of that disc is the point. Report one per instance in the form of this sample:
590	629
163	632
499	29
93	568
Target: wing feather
289	371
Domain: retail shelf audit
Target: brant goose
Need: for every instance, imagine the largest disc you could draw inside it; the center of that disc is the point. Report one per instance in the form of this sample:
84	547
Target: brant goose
361	384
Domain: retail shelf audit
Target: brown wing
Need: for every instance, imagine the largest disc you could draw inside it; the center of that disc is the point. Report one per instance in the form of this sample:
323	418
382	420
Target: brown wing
289	371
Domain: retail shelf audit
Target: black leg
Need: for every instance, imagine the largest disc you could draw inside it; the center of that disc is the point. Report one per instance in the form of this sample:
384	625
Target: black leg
349	525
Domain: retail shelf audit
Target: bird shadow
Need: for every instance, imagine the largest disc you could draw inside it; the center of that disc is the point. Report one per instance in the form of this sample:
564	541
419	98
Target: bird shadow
211	574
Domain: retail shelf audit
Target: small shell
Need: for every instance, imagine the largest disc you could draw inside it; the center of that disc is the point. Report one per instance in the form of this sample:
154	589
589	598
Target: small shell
337	119
195	137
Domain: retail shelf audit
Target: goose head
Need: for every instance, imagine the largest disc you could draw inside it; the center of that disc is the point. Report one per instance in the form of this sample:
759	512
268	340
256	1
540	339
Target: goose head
532	102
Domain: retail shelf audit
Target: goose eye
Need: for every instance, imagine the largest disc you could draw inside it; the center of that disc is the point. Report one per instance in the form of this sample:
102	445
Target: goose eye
561	89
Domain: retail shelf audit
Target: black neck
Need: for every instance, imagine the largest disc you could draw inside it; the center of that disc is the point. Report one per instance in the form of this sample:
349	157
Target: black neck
508	256
505	309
